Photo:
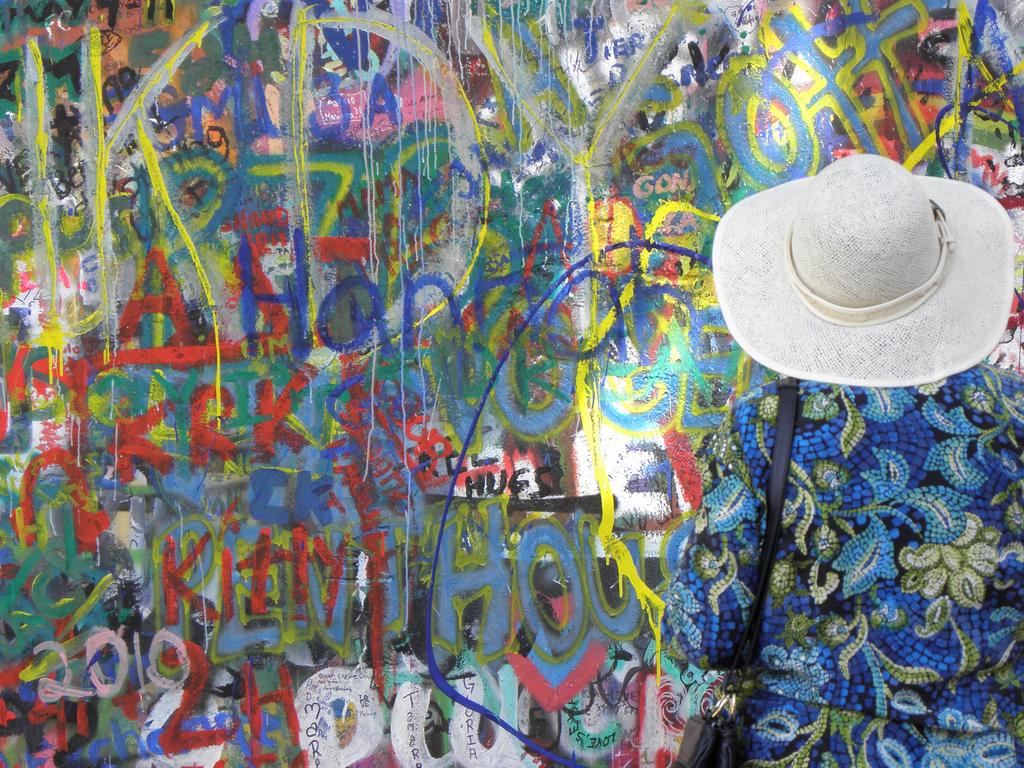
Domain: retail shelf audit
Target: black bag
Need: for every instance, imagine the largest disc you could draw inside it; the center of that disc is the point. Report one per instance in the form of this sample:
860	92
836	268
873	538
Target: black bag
712	741
709	742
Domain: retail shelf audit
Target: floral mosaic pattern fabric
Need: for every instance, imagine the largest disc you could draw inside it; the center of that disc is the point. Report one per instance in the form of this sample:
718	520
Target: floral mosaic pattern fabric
894	628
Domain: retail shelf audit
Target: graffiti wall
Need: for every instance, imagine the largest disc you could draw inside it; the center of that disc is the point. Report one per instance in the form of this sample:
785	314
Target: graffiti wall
356	354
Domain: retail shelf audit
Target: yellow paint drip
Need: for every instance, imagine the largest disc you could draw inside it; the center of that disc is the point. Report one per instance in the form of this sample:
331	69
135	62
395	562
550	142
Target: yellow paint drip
95	52
300	37
53	339
587	398
589	409
42	134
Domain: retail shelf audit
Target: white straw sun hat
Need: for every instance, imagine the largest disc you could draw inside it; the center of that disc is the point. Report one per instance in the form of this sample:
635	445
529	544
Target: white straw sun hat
866	274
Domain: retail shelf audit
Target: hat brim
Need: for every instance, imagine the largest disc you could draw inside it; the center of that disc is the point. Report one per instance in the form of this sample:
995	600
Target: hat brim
956	328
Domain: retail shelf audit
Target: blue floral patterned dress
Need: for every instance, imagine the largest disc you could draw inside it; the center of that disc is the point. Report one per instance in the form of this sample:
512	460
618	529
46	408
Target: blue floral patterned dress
893	633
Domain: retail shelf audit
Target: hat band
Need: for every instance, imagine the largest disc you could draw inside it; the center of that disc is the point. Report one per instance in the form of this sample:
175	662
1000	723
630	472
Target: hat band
875	313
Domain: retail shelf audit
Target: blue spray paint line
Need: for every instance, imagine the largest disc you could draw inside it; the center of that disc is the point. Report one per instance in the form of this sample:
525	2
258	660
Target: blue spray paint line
938	139
620	327
435	671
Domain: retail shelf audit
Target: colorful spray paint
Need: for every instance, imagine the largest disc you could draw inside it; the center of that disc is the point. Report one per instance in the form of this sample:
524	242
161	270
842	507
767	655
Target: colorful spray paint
355	356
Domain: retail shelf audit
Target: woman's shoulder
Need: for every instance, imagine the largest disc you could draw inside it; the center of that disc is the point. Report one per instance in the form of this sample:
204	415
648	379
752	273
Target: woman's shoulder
985	386
981	401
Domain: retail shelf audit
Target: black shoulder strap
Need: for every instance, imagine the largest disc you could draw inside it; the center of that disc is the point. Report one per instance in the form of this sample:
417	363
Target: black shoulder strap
789	393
